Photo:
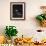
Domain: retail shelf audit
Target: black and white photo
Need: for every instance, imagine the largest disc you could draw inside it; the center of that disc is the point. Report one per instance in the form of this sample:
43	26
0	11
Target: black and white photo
17	10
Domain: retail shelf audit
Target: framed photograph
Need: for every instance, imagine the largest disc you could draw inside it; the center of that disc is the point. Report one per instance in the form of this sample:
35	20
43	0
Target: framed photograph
17	11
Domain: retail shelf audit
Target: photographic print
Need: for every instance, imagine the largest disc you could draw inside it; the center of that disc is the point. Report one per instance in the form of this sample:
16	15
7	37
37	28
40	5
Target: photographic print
17	10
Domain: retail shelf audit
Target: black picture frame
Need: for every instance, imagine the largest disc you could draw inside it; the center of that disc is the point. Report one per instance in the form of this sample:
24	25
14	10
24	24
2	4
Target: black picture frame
17	10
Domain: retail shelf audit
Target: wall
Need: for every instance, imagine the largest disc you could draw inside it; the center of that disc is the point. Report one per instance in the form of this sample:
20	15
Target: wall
26	27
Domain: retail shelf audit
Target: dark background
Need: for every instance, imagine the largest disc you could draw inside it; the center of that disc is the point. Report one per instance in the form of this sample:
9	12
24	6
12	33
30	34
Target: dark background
17	11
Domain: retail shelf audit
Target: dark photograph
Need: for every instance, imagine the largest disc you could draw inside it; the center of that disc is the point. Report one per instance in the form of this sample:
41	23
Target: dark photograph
17	10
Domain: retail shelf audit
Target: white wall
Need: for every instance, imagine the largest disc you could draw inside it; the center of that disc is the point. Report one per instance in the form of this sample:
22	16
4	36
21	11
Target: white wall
26	27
